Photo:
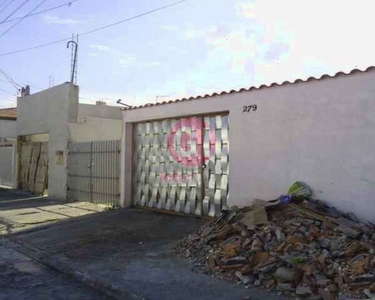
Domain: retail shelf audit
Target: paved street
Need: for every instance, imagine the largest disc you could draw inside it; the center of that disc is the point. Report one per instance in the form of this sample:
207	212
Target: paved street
22	278
125	253
130	252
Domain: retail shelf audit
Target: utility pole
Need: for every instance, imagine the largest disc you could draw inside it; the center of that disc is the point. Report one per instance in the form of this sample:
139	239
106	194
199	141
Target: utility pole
74	58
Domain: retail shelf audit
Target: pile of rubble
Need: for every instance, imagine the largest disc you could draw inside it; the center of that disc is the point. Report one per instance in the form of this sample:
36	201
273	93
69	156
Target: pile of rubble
305	250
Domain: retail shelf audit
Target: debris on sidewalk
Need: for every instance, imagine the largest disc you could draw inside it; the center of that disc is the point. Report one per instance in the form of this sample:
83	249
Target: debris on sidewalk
294	245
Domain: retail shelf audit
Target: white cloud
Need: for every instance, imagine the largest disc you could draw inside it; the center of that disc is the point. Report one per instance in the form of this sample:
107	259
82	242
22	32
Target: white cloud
197	33
322	35
153	64
275	51
5	103
175	49
246	9
235	41
272	42
128	59
234	45
101	48
169	27
50	20
131	60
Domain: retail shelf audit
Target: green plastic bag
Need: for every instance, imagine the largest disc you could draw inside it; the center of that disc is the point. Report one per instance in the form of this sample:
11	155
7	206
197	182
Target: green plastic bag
300	190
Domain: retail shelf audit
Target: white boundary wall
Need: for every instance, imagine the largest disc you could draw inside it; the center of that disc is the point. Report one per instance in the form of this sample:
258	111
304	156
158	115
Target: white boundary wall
321	132
49	112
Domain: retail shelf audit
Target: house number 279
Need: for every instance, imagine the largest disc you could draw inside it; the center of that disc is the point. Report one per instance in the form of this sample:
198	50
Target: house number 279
249	108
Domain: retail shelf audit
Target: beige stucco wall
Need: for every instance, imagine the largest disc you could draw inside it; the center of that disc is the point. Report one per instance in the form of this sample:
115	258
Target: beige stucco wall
8	129
50	111
321	132
44	137
95	129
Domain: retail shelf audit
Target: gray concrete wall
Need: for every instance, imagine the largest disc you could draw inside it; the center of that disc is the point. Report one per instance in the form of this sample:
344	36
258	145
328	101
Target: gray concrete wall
321	132
95	129
44	137
6	166
99	111
8	129
50	111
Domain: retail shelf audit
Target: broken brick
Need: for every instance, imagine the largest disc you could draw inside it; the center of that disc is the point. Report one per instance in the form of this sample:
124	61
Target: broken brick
297	252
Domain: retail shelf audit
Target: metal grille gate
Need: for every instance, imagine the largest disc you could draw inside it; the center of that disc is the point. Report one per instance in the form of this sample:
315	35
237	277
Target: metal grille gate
94	172
179	162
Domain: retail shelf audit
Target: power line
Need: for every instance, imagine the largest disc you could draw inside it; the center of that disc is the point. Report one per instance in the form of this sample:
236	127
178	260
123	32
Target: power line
10	79
6	5
19	21
5	91
42	11
23	84
4	80
12	13
132	18
95	30
36	47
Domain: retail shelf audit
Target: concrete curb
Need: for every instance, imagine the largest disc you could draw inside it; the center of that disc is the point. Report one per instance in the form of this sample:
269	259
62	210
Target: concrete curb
104	214
60	266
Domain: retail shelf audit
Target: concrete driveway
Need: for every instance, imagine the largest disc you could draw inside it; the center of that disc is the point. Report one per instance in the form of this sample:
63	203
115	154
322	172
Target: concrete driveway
21	211
124	254
21	277
128	254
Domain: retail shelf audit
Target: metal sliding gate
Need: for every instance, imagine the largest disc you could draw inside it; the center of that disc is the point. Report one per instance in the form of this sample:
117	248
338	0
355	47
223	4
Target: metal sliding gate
182	164
94	172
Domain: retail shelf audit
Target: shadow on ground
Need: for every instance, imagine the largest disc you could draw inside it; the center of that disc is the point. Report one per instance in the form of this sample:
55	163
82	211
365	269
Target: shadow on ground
130	251
23	279
21	211
15	199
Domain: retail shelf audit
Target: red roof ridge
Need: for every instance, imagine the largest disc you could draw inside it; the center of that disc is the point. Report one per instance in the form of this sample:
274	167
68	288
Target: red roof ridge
9	113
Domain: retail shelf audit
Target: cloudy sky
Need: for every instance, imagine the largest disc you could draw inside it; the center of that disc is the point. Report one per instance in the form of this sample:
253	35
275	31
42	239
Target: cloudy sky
196	47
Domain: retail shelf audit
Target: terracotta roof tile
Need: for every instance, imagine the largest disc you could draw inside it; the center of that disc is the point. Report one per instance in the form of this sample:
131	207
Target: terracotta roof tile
8	113
263	86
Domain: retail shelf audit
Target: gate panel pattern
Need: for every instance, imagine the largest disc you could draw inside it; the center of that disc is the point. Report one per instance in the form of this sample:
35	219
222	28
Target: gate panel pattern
41	176
182	164
216	155
94	172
